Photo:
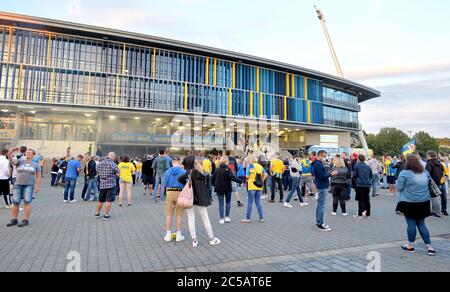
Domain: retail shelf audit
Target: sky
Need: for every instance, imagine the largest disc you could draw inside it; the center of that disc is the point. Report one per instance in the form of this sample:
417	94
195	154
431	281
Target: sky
401	48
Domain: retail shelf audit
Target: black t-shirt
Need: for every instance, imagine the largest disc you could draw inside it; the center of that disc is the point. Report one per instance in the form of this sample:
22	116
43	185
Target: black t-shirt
188	163
147	169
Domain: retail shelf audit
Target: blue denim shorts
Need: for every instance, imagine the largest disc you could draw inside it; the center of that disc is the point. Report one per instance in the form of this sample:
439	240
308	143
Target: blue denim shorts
23	193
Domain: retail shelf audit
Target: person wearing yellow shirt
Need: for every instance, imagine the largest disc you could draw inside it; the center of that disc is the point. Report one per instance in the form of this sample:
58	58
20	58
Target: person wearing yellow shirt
207	172
276	172
254	171
138	170
127	170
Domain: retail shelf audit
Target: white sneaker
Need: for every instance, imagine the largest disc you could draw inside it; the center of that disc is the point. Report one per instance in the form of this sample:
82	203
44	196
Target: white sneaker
263	197
20	209
227	220
221	221
73	201
168	238
180	238
8	207
214	242
287	205
345	214
65	201
304	204
195	243
334	213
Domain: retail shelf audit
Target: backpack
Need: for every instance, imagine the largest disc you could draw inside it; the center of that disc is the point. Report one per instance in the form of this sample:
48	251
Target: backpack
258	180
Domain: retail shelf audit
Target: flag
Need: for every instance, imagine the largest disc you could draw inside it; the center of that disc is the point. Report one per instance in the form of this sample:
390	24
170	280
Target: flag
409	148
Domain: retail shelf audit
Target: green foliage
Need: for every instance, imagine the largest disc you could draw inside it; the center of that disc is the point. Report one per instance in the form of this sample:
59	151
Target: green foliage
388	141
425	142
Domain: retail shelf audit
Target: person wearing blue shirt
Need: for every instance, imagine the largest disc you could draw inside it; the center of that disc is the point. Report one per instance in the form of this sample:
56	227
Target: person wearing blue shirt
414	202
73	169
322	181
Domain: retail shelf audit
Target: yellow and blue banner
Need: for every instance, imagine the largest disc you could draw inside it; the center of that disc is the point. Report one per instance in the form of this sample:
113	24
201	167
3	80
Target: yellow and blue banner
409	148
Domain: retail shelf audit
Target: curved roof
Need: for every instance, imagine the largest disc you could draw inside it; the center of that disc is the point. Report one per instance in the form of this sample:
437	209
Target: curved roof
364	93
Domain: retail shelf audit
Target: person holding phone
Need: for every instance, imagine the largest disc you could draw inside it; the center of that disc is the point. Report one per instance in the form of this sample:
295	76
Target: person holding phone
27	184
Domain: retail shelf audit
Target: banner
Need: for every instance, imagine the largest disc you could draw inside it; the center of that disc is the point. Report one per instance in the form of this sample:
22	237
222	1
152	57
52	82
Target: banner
409	148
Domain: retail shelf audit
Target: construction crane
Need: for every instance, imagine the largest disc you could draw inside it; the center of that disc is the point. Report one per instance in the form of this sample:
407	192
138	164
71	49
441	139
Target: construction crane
321	16
330	43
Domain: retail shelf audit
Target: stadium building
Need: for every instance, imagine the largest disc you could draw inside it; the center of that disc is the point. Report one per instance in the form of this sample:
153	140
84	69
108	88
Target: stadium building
64	84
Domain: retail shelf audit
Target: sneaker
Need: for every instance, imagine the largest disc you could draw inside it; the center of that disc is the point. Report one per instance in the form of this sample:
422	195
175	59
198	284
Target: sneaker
410	250
240	205
445	213
287	205
65	201
12	223
73	201
304	204
262	221
436	215
180	238
129	205
345	214
195	243
221	221
8	207
24	223
168	238
431	252
20	209
245	221
334	213
227	220
214	242
324	227
263	197
97	216
106	217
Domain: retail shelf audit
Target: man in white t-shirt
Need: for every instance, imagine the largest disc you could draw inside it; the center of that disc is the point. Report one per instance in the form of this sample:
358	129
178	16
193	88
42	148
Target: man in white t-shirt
5	171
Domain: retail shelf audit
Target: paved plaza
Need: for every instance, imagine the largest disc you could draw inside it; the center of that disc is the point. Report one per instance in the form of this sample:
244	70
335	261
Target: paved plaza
287	242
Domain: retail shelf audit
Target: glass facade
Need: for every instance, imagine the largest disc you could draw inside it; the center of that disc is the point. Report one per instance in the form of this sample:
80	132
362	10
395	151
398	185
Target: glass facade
50	68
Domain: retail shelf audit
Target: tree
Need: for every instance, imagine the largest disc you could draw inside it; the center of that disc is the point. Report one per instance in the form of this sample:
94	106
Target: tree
425	142
389	141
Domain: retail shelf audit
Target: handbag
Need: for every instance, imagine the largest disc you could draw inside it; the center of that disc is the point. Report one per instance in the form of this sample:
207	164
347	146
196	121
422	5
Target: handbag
186	197
435	191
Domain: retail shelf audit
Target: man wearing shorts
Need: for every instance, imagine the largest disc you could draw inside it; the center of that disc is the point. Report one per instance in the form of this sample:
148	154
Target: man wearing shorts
27	184
173	189
108	173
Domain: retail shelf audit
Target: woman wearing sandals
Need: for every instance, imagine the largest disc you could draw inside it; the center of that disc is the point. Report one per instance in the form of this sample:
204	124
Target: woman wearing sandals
414	202
201	201
254	171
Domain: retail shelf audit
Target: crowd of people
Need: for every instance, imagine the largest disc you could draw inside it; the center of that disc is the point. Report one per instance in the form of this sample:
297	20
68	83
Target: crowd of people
303	178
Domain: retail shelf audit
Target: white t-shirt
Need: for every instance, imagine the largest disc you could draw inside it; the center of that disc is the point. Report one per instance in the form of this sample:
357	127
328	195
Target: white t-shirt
4	168
294	164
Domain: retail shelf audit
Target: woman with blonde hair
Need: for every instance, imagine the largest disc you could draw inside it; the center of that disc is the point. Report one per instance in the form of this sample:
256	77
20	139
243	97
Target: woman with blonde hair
339	185
201	201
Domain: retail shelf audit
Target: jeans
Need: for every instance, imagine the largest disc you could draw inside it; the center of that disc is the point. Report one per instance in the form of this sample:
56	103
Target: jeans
385	185
224	199
413	225
159	180
320	211
85	187
295	188
287	181
363	195
349	190
23	193
70	184
254	196
54	176
209	183
375	184
276	181
444	198
92	187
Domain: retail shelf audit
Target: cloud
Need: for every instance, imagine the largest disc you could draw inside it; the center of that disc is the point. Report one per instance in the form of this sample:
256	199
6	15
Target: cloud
73	8
415	106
